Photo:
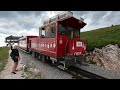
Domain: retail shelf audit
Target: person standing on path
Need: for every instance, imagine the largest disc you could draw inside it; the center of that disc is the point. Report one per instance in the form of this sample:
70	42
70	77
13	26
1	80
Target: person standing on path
15	57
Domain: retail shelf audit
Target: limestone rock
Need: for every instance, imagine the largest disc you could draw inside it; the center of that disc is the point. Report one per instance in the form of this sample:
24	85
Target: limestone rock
107	57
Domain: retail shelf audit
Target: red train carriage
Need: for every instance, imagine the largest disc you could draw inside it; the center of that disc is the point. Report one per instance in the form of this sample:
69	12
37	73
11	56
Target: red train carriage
59	39
24	42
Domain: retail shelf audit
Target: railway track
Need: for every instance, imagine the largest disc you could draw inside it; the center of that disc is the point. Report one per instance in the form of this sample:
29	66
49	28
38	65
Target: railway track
78	73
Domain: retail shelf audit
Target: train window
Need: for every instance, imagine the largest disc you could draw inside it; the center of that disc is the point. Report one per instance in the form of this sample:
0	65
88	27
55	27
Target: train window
52	31
62	29
47	32
72	33
77	33
44	33
70	28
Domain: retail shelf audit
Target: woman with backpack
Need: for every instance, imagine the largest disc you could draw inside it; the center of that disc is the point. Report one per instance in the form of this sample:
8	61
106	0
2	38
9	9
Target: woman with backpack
15	57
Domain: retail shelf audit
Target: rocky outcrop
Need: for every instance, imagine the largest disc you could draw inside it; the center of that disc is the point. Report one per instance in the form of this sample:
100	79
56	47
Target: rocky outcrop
31	73
107	57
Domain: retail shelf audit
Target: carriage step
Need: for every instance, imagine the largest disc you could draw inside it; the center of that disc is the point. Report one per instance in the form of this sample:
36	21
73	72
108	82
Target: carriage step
62	62
61	67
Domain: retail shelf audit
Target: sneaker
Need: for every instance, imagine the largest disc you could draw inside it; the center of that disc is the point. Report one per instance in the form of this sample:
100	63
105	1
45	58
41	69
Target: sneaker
13	72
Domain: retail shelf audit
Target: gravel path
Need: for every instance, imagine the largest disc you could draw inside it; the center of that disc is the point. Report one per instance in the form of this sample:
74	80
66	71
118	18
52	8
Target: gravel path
100	71
6	73
48	72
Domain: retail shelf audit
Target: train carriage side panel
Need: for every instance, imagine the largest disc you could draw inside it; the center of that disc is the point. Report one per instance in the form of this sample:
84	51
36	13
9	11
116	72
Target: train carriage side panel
24	42
44	46
34	44
29	42
47	46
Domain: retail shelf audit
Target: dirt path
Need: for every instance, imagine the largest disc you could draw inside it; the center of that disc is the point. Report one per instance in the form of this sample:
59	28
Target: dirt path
6	73
48	72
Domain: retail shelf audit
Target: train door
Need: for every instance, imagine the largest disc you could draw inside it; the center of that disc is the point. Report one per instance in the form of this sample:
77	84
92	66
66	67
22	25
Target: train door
69	36
62	40
73	36
29	43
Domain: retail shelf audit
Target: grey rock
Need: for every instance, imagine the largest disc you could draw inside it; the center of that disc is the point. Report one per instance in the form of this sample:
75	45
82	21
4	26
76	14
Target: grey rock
108	57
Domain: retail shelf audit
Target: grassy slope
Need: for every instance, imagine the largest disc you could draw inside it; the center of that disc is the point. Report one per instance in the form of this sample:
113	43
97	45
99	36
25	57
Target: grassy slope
101	37
3	57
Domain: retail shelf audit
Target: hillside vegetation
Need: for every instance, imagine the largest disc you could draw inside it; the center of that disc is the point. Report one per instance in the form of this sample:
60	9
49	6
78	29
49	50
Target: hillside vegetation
101	37
3	57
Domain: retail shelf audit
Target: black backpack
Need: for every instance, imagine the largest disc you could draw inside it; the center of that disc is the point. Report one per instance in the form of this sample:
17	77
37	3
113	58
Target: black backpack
11	54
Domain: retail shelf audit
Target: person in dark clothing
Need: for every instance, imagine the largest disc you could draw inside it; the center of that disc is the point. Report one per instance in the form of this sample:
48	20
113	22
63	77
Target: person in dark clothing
15	57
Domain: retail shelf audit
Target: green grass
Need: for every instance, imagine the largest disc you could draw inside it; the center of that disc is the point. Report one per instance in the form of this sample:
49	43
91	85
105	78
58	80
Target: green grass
101	37
4	54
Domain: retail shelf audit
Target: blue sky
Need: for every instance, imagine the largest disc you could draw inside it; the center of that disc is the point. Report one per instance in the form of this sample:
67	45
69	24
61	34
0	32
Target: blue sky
21	23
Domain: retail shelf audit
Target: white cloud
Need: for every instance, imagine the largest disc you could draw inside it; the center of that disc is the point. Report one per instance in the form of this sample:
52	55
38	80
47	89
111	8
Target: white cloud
101	21
2	40
28	22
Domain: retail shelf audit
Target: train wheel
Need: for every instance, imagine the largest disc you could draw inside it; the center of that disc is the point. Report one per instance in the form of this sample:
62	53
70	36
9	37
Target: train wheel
44	58
48	58
80	59
57	62
39	56
33	54
36	55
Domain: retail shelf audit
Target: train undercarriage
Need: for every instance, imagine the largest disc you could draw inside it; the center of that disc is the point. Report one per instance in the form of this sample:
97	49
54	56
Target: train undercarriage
60	62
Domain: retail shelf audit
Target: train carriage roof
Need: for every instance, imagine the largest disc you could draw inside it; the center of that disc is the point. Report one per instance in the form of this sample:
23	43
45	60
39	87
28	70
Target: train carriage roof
24	37
71	21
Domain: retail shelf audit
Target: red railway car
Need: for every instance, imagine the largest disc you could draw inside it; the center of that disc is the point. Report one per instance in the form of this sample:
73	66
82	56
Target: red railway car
24	42
59	39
